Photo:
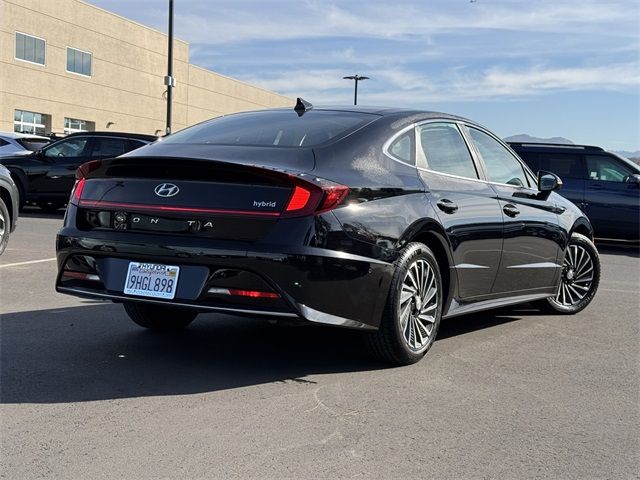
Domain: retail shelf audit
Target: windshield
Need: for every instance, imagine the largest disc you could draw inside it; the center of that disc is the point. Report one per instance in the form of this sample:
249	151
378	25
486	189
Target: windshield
33	144
282	128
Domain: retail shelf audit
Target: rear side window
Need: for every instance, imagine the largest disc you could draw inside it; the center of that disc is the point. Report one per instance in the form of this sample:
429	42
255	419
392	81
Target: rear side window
402	149
3	142
445	150
502	166
108	147
563	164
133	144
283	128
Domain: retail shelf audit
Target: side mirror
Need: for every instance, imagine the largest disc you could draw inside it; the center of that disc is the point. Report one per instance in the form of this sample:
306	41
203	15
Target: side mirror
547	183
633	179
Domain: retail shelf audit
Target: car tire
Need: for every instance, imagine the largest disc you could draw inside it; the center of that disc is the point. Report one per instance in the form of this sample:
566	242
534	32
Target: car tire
579	280
5	226
160	317
50	207
413	309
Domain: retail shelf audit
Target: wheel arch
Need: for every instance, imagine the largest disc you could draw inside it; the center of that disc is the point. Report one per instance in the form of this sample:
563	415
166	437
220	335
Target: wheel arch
433	236
20	179
583	227
6	198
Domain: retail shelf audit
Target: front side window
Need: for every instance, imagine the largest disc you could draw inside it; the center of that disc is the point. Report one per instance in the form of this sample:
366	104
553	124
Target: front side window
445	150
31	122
73	125
502	166
72	147
78	61
30	49
608	169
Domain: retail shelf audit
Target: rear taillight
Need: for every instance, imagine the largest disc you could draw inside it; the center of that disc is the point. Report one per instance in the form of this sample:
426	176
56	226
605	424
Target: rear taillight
76	194
309	198
82	171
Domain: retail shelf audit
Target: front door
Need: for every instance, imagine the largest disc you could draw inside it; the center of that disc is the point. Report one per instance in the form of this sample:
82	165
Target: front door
531	250
64	158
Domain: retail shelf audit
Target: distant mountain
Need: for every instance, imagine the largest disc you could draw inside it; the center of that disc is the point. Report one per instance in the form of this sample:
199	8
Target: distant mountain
635	156
524	138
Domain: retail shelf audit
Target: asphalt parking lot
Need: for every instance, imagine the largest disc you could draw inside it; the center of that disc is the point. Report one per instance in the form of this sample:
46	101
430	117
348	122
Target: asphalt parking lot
85	393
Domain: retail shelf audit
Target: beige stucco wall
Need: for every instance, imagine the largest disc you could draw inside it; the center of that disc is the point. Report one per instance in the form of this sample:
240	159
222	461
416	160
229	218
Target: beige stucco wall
128	66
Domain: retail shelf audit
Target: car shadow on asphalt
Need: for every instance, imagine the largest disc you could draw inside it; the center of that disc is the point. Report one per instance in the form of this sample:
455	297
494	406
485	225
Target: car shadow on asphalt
95	353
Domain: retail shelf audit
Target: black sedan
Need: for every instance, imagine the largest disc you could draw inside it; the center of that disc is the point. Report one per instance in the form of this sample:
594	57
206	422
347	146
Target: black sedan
383	220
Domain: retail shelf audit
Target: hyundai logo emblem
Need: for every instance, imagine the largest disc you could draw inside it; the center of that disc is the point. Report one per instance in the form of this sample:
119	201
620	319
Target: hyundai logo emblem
166	190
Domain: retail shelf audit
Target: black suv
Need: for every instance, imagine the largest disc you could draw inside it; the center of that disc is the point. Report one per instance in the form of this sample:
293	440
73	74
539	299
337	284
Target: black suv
46	176
605	186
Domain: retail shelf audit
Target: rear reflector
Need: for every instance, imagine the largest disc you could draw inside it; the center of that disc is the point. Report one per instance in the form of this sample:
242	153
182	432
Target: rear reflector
243	293
80	276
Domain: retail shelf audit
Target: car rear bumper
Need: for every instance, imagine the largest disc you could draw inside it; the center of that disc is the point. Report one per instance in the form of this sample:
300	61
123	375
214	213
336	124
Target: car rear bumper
312	284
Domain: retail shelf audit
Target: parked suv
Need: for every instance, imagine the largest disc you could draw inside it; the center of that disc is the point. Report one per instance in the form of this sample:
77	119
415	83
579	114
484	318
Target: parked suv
46	176
12	143
604	185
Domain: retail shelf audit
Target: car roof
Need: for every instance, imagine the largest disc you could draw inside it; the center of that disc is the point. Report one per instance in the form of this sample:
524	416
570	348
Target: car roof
405	115
137	136
554	146
22	135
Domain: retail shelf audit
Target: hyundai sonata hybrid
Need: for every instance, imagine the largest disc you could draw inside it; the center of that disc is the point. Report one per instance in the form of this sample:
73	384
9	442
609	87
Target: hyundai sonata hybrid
383	220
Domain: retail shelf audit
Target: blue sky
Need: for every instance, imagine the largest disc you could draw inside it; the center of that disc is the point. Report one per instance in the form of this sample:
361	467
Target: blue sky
546	68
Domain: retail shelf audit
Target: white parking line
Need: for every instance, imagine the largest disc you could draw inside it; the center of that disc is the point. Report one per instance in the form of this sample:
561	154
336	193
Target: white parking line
27	263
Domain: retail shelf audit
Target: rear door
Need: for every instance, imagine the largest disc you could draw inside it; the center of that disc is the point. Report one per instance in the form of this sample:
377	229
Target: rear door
612	204
467	206
532	233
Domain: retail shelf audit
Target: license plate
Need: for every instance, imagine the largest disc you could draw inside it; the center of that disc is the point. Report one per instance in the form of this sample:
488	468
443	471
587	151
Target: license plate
151	280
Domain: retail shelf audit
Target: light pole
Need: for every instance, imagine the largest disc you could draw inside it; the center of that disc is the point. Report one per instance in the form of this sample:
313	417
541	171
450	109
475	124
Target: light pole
356	78
169	81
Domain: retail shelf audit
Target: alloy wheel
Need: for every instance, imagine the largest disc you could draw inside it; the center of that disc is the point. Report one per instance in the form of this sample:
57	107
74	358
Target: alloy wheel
577	276
3	226
418	305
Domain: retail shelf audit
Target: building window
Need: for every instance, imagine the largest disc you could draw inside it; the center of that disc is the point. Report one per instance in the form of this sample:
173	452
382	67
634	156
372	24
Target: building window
73	125
30	49
31	122
78	61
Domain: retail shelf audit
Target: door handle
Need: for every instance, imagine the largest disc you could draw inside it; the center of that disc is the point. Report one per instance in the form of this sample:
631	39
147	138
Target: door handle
596	186
447	206
510	210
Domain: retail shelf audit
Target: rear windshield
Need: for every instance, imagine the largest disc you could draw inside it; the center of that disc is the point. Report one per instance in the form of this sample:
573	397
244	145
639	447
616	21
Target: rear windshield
282	128
33	144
